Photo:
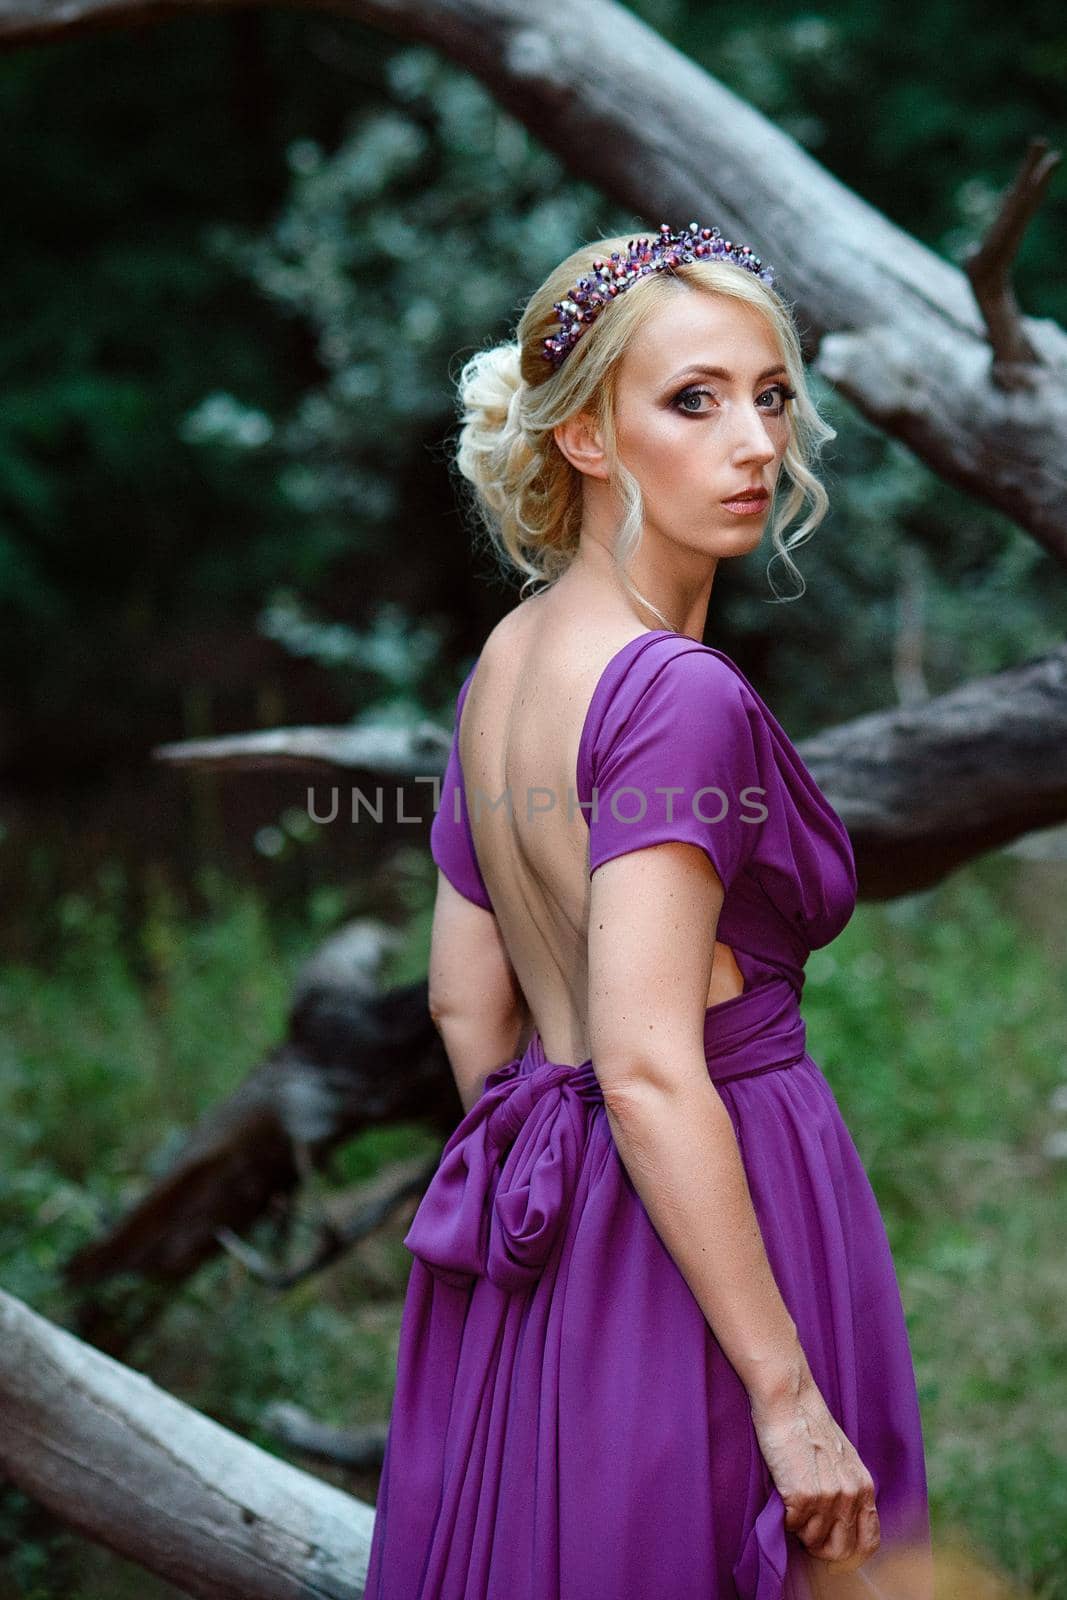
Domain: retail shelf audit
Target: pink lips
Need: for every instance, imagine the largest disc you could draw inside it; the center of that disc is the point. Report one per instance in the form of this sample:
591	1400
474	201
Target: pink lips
748	502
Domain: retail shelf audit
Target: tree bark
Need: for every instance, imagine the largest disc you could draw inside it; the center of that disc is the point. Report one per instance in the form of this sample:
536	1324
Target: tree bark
893	326
921	788
925	788
352	1059
128	1465
976	390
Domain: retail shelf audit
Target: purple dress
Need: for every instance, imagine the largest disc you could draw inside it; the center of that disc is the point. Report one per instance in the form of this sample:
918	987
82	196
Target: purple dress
565	1424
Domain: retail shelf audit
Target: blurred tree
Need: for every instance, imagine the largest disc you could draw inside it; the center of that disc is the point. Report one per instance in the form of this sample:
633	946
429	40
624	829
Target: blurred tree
316	462
308	434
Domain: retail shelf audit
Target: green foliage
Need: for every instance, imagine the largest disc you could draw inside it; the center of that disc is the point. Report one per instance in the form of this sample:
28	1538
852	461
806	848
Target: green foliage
114	534
407	245
228	395
393	656
444	162
231	375
108	1054
935	1019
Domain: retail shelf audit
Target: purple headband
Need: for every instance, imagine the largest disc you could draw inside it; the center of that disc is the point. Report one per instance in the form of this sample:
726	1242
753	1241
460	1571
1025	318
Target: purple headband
609	278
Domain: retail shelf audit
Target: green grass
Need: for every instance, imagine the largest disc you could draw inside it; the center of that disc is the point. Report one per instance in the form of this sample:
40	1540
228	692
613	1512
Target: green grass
107	1056
937	1019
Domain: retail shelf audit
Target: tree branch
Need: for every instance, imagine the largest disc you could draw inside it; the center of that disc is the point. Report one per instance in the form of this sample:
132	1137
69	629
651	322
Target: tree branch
361	1449
353	1058
405	1181
925	788
989	268
895	328
130	1466
921	788
385	751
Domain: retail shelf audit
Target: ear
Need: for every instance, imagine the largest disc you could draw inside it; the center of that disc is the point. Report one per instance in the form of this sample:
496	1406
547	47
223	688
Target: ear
580	440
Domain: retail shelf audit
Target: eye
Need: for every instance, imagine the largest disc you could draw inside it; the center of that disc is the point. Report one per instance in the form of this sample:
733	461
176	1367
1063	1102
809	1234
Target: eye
691	394
688	400
784	392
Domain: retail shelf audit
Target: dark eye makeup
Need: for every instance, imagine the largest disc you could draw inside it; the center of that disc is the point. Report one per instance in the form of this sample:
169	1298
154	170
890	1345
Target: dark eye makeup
784	391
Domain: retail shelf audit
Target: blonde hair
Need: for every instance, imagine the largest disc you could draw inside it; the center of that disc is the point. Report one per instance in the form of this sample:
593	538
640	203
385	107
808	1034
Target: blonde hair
525	492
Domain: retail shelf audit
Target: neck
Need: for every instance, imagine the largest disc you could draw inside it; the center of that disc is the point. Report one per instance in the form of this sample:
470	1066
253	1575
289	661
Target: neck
676	581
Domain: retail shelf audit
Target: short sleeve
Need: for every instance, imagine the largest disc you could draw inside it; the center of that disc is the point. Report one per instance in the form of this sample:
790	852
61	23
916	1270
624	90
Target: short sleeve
677	757
451	843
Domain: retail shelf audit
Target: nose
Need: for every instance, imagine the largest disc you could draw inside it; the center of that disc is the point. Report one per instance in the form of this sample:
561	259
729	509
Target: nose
752	439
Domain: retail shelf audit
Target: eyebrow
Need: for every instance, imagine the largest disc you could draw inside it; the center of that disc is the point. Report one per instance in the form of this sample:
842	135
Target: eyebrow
721	372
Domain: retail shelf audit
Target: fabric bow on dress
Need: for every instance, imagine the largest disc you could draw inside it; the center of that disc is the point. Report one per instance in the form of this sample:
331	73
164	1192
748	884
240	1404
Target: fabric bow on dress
503	1187
495	1208
506	1178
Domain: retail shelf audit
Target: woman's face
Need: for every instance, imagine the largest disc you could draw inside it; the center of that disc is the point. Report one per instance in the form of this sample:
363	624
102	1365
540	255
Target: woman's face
700	416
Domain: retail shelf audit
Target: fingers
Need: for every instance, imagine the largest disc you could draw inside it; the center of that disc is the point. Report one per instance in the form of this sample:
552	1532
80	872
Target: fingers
831	1509
843	1529
815	1517
814	1526
850	1544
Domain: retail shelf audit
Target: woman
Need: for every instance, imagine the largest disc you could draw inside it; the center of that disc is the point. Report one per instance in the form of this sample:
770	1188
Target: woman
653	1344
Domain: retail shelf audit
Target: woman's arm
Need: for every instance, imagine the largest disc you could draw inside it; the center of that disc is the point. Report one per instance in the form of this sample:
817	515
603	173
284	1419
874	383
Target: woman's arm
653	918
475	1000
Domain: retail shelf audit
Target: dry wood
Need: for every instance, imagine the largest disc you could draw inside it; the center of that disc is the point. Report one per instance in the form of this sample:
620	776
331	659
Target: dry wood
130	1466
362	1449
989	268
352	1058
924	788
921	788
891	324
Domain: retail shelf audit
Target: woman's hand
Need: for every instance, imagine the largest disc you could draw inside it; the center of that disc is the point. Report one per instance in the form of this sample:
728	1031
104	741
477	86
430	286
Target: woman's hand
827	1491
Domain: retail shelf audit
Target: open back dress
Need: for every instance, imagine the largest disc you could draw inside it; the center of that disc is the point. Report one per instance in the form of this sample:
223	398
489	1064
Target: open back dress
565	1424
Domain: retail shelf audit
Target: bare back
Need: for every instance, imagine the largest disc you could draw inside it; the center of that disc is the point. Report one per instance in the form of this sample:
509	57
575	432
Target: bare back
519	737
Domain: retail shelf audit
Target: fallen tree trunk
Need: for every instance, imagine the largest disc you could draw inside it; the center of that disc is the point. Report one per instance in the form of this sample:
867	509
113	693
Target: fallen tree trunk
925	789
118	1459
921	788
353	1058
975	390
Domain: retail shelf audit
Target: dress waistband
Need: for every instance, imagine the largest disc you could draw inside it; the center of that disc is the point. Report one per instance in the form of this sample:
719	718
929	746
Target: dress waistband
502	1189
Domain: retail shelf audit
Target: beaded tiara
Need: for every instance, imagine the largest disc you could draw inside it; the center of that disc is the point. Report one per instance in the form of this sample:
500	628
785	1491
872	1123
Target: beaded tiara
608	278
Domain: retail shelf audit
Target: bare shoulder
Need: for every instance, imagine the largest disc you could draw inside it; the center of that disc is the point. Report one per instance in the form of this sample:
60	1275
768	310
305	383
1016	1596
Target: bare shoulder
513	631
